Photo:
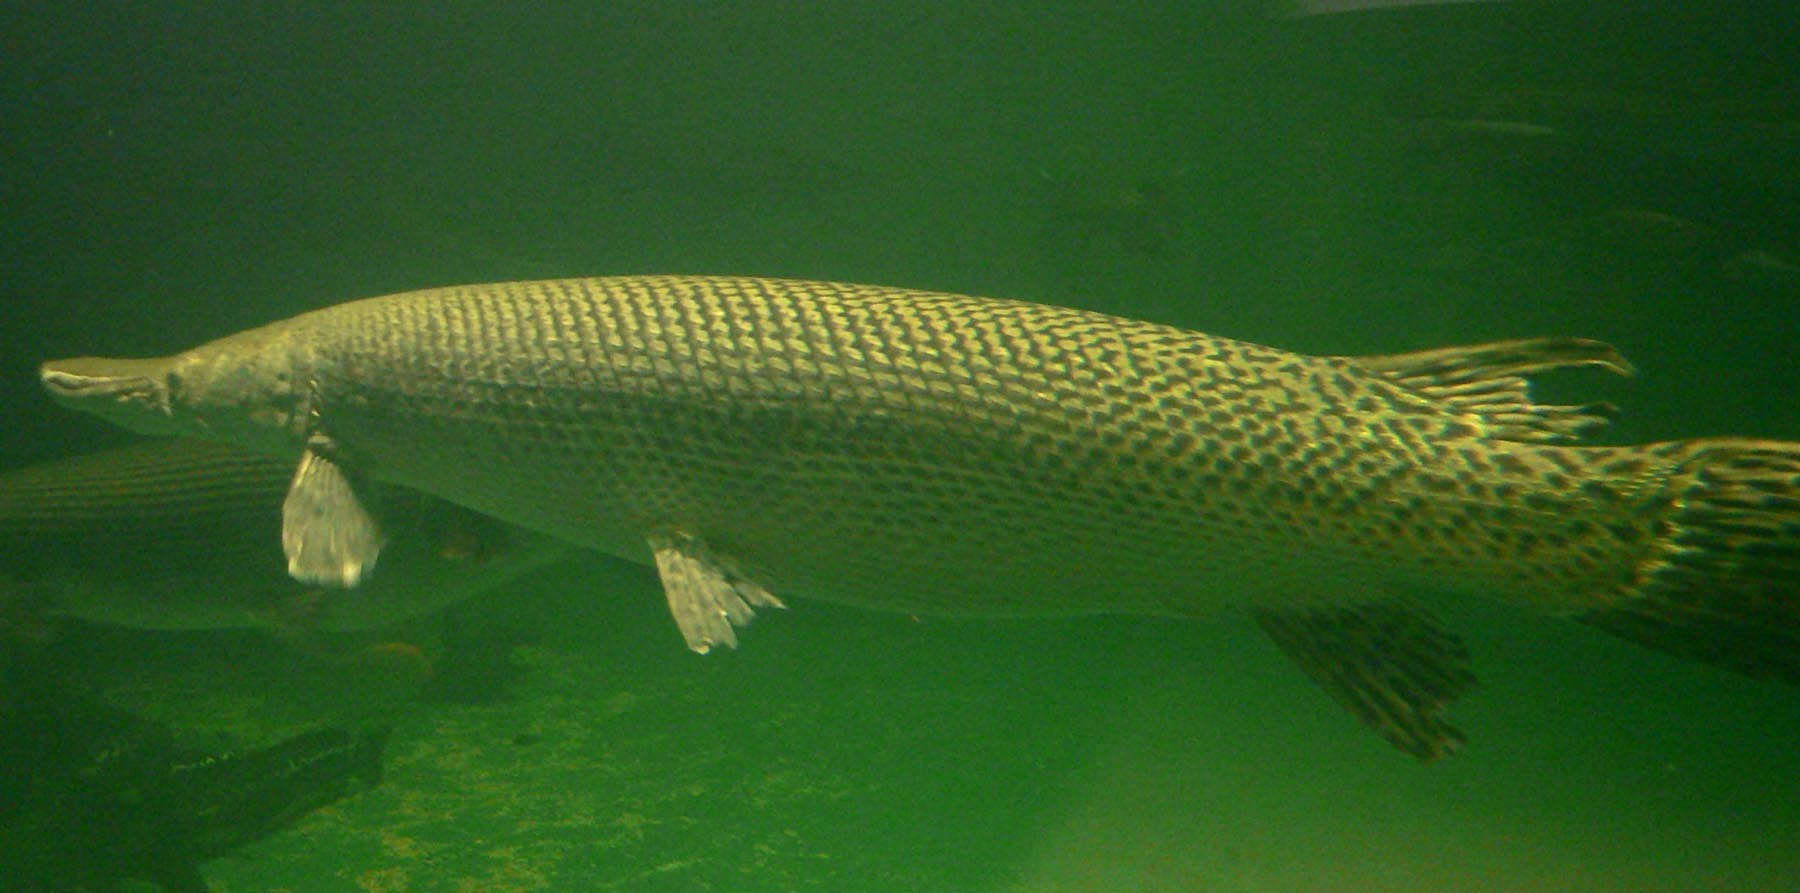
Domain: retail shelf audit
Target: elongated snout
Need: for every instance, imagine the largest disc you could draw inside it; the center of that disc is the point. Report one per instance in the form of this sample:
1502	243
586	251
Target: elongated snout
133	393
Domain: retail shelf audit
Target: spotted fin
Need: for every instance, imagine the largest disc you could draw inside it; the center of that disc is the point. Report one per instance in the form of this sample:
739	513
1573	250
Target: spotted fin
1393	665
329	536
1489	381
706	599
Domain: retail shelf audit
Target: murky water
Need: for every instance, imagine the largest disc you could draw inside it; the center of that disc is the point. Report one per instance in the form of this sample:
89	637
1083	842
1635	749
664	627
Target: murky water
1361	182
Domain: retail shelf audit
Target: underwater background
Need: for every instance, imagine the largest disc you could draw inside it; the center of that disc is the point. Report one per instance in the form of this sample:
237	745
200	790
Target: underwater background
1319	180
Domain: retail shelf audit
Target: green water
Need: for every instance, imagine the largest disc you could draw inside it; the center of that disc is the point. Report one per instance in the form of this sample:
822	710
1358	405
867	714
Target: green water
1358	183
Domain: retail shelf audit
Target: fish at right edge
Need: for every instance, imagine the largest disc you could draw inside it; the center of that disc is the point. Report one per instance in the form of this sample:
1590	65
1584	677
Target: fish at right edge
931	452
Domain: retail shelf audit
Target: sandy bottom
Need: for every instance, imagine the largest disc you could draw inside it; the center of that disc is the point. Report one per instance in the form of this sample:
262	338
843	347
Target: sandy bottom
842	750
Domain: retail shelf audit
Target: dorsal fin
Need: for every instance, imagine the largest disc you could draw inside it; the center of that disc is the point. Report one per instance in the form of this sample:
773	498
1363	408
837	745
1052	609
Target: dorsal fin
1489	380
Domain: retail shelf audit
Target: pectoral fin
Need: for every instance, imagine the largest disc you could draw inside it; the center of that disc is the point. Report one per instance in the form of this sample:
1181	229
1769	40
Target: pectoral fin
329	536
1393	665
706	599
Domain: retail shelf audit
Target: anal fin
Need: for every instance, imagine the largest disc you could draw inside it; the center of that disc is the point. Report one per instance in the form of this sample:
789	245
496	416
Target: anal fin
329	536
1394	666
706	599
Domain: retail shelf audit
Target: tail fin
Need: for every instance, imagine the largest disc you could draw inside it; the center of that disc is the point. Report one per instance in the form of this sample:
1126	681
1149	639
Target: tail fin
1723	586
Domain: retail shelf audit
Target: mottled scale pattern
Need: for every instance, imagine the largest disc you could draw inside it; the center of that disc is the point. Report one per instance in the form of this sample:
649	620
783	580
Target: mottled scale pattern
121	508
185	534
912	450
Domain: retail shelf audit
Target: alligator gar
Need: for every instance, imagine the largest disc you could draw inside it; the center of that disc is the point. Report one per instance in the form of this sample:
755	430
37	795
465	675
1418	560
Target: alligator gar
184	534
932	452
96	797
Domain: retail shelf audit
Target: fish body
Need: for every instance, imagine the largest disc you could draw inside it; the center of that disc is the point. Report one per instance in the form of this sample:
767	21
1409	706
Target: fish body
184	534
97	796
932	452
228	800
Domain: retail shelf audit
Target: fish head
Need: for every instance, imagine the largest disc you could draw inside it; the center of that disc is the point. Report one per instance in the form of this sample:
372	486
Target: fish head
131	393
218	391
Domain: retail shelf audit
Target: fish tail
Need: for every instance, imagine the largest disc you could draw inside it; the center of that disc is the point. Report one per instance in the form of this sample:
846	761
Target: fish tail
1722	584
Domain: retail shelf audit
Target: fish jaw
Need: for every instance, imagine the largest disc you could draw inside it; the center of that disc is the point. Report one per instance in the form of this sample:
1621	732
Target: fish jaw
131	393
248	389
